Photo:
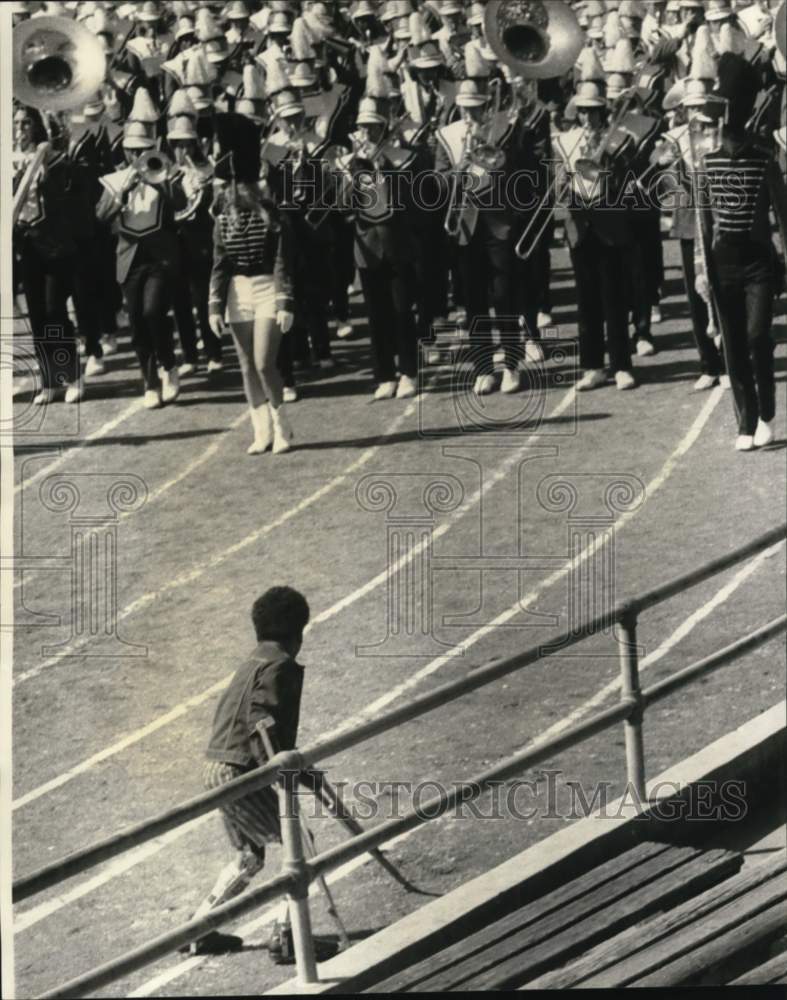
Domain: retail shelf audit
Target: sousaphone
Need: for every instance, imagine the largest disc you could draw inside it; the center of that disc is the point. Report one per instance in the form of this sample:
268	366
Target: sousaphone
58	63
537	39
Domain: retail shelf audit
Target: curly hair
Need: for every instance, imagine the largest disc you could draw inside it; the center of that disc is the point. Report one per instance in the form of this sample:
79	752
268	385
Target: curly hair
280	613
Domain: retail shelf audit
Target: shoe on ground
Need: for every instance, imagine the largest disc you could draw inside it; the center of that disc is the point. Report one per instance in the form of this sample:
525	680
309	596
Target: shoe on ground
386	390
152	399
433	357
81	348
594	378
344	331
717	341
744	442
170	386
510	381
534	352
484	385
705	382
764	435
215	366
290	394
724	382
44	397
213	943
94	366
544	320
109	344
75	391
280	945
645	348
186	369
407	388
625	380
282	432
655	315
263	430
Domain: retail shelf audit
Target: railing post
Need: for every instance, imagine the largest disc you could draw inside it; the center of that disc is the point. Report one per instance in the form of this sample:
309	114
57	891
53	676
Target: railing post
294	864
630	689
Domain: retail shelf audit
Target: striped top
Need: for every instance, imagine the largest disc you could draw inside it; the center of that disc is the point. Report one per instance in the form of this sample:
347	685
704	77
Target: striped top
737	187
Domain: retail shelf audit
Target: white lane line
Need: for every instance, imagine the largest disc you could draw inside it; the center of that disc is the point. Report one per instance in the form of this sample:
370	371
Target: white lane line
100	432
192	467
684	629
190	576
504	617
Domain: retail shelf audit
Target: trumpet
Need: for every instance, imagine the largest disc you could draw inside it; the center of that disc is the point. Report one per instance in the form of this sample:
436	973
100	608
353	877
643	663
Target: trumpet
153	167
200	180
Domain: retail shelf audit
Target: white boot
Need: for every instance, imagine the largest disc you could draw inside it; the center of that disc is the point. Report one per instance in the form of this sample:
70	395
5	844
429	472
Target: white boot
75	391
282	432
170	385
263	429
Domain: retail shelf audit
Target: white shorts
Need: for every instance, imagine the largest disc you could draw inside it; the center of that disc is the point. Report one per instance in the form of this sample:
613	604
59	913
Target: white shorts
251	298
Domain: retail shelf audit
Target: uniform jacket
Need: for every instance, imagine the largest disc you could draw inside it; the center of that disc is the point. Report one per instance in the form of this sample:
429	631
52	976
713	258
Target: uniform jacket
269	683
57	209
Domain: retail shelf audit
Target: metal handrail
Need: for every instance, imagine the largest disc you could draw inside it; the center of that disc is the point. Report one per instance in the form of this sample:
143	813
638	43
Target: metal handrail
299	872
149	829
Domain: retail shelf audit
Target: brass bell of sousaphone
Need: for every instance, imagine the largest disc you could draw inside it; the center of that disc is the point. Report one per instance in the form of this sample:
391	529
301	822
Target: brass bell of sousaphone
57	63
537	39
780	30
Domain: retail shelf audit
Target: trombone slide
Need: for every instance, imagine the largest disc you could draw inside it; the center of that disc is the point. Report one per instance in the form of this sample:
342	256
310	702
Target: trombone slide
29	177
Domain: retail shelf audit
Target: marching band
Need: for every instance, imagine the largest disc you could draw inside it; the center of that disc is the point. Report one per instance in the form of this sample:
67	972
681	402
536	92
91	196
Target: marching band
228	168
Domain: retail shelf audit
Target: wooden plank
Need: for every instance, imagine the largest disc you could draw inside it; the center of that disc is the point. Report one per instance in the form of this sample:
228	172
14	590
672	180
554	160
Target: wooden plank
636	939
694	936
609	872
772	971
526	955
766	924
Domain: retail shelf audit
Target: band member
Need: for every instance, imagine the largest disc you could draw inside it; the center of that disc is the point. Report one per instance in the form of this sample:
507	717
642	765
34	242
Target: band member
382	243
142	203
252	280
744	183
599	241
44	237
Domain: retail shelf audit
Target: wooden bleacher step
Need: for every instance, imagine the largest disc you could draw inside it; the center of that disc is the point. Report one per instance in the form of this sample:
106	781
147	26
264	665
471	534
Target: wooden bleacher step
555	928
770	973
641	949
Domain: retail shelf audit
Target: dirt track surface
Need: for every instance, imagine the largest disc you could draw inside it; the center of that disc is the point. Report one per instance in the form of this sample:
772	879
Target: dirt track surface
218	527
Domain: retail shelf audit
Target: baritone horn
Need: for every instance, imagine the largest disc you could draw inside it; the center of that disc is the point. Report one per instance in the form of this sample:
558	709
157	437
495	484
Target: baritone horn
537	39
57	63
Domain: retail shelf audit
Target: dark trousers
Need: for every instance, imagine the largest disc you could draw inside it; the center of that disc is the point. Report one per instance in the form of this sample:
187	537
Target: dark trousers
430	274
711	362
190	291
148	294
386	290
313	286
47	283
341	265
646	266
746	288
600	272
86	300
109	297
486	270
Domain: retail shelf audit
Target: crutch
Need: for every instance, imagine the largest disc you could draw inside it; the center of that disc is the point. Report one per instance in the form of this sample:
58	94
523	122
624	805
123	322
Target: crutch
308	840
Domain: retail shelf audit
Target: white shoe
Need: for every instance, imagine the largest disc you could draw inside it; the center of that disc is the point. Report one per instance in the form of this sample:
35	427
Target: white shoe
290	394
645	348
186	369
655	315
433	356
282	432
170	386
407	388
44	397
263	430
344	331
510	381
94	366
81	348
724	382
484	385
109	344
534	352
215	366
705	382
625	380
544	320
386	390
764	434
744	442
717	341
75	391
593	378
152	399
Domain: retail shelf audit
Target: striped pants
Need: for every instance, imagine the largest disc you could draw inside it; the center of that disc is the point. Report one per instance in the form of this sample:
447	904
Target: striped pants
251	822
